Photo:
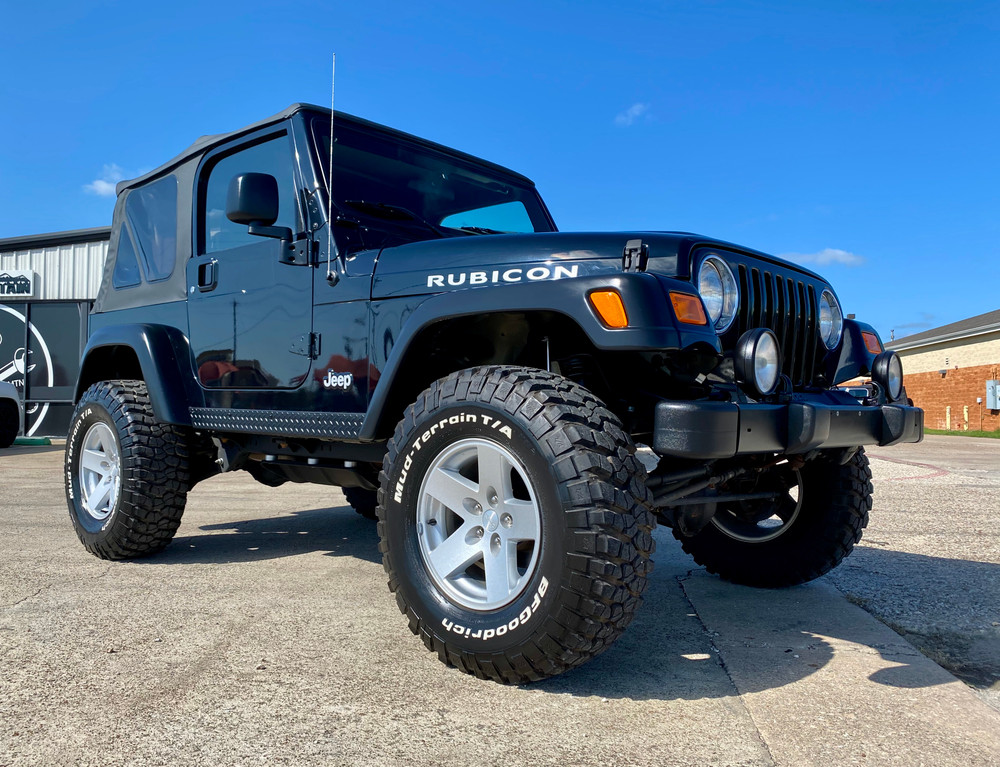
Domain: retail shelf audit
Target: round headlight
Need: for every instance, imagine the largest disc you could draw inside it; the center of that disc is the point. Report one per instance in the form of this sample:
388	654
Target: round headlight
758	360
719	293
887	372
831	319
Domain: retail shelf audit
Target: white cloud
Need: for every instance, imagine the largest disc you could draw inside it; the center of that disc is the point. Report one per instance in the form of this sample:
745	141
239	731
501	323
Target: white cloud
826	257
926	321
104	185
633	113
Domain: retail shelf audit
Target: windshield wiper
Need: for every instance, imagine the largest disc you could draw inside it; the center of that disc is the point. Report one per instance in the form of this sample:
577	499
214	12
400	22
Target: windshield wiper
481	230
389	212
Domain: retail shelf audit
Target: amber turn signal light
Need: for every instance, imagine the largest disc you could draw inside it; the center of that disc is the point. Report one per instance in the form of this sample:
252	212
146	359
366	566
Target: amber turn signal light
688	308
609	307
871	343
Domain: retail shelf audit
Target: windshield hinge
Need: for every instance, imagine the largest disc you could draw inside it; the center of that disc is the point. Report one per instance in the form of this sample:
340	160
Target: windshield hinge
635	256
298	253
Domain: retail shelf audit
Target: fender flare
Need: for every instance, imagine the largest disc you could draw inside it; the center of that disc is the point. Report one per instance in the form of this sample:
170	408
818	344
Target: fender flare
853	359
652	323
164	356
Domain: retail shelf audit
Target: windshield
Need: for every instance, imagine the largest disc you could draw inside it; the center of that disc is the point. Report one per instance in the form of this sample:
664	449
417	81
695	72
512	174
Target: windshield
389	191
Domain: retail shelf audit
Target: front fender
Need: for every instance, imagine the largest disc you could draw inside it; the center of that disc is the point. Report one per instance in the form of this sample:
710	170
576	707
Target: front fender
652	324
164	358
854	358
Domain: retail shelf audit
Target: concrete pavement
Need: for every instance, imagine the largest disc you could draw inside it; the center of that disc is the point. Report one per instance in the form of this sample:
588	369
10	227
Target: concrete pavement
265	635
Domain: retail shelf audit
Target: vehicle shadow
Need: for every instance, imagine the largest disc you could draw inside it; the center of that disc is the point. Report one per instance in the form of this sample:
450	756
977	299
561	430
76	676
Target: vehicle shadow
695	636
765	639
948	609
337	531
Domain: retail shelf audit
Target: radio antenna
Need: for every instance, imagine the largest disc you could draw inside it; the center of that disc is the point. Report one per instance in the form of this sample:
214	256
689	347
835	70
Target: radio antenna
332	277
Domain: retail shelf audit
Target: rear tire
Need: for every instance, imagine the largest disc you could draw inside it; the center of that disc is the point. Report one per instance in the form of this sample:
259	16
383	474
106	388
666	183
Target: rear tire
365	502
823	519
514	522
127	476
8	423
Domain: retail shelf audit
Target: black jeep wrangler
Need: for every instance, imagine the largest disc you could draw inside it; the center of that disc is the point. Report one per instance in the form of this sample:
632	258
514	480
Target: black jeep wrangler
318	300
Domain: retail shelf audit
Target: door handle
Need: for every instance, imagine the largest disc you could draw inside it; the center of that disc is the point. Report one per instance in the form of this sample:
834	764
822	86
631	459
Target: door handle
208	275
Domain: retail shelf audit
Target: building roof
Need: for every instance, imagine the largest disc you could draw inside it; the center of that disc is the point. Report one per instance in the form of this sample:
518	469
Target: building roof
974	326
51	239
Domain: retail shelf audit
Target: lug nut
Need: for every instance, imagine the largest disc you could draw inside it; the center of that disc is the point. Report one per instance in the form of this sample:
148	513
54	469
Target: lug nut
493	498
506	520
478	532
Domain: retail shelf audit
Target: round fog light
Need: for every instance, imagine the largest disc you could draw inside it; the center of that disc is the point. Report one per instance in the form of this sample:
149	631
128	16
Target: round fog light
887	372
758	360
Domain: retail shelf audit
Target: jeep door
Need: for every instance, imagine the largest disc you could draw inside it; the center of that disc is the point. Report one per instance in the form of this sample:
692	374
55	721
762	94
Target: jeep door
250	314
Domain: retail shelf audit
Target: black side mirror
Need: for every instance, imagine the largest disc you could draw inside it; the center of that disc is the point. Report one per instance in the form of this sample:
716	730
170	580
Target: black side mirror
252	199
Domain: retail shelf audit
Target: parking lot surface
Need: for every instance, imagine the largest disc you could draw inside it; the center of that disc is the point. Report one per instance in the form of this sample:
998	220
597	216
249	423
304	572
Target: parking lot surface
265	635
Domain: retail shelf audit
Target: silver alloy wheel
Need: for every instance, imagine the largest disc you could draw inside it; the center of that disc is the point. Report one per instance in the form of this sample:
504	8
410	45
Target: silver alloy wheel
763	526
479	524
99	471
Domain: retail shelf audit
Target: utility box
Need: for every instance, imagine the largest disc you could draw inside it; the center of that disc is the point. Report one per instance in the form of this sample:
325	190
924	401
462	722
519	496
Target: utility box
993	395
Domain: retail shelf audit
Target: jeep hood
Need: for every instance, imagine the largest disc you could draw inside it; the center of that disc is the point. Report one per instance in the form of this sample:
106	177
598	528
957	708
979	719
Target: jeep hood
433	266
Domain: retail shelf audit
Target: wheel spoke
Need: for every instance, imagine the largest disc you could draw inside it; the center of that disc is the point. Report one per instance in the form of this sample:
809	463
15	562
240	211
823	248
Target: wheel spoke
501	572
101	493
524	525
785	508
455	553
451	489
494	471
92	460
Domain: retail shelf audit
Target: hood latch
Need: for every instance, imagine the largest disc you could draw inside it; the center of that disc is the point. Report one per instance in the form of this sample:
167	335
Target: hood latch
635	256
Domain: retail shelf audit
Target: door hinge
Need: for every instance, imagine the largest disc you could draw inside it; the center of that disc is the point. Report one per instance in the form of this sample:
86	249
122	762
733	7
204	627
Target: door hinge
635	256
307	345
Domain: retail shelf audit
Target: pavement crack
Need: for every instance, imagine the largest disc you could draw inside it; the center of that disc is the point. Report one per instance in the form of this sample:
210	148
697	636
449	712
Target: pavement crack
710	635
106	571
24	599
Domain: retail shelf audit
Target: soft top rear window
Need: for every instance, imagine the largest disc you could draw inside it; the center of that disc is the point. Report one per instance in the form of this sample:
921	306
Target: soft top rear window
151	211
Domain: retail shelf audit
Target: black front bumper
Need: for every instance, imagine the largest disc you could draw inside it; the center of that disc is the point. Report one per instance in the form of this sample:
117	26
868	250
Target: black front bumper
725	429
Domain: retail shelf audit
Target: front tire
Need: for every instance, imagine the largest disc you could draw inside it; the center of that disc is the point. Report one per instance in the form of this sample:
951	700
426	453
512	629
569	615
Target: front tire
515	523
798	538
127	476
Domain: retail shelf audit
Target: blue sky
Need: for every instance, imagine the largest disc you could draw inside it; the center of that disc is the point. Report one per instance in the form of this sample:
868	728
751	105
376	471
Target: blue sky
862	136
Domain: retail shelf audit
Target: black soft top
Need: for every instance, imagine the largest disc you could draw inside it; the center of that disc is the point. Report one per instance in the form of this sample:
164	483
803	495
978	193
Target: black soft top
184	167
206	143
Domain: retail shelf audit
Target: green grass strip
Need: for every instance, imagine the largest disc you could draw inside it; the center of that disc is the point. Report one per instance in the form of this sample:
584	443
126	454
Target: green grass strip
953	433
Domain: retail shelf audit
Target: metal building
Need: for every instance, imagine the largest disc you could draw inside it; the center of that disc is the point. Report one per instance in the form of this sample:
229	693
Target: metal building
47	285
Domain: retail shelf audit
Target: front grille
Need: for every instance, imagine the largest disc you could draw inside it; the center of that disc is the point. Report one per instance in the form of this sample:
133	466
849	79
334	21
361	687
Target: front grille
789	307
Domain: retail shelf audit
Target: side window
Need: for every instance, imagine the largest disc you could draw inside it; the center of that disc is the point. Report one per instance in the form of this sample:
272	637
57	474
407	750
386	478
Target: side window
274	157
152	213
126	274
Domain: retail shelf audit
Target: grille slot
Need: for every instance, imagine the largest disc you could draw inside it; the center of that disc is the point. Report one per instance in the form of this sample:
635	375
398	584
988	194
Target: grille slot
789	308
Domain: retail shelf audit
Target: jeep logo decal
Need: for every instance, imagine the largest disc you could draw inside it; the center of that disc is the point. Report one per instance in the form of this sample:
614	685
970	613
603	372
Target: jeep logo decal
517	274
335	380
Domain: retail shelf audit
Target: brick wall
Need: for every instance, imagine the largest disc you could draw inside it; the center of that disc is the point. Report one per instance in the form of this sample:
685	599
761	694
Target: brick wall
957	389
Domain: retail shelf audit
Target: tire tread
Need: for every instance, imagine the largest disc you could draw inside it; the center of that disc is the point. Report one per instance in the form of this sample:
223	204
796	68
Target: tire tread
154	489
602	487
